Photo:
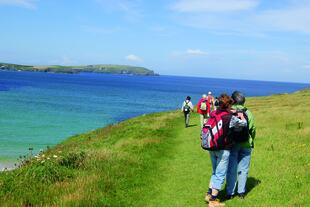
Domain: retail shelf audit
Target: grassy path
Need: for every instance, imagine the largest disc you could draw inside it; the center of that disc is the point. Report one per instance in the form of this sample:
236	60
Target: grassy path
186	172
280	164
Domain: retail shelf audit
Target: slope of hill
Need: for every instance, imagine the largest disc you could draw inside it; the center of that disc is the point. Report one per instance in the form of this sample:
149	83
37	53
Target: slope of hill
153	160
112	69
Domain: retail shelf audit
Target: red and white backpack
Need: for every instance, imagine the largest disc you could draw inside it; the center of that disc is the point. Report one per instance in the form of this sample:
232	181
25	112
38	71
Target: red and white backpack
214	134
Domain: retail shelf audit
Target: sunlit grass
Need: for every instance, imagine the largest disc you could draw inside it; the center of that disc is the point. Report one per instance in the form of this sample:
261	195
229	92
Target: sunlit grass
153	160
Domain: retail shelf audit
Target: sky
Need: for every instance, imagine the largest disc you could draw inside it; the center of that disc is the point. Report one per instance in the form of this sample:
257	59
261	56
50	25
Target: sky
235	39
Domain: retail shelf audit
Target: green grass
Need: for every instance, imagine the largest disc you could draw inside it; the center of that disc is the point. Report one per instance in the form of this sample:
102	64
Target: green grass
153	160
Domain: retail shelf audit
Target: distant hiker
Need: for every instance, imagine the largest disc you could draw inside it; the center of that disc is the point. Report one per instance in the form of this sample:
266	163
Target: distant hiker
187	107
215	138
216	103
211	102
240	154
202	109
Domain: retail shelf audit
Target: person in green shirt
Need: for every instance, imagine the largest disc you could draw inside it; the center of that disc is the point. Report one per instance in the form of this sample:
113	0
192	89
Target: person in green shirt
240	154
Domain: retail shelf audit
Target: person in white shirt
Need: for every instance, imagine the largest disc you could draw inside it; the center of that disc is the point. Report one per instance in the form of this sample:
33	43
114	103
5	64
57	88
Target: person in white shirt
187	108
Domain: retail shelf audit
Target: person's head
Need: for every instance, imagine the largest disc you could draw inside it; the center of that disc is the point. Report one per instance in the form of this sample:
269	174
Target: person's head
225	101
238	98
204	96
188	98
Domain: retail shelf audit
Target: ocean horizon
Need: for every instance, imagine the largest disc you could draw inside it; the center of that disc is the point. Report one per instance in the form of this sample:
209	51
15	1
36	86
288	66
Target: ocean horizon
39	110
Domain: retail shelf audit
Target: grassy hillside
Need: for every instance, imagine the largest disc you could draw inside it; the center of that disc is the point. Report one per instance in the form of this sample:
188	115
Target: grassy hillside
153	160
112	69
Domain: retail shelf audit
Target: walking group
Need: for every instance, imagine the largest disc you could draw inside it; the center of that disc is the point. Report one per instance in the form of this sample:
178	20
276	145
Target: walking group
227	132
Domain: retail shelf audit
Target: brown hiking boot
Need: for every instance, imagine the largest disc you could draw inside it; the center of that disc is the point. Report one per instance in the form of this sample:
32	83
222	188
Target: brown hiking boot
215	203
208	197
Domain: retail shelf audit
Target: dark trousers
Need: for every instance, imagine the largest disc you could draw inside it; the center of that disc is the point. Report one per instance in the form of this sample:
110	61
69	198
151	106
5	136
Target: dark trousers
186	119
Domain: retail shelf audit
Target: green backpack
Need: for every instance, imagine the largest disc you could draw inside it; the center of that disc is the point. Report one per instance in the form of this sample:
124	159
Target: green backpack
203	105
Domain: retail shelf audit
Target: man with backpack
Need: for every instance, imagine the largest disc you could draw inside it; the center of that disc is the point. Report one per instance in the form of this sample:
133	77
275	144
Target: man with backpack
240	154
202	109
187	107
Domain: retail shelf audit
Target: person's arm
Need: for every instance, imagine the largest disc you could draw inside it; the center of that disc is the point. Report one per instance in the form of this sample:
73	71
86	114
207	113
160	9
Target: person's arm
252	127
237	121
182	109
198	106
191	106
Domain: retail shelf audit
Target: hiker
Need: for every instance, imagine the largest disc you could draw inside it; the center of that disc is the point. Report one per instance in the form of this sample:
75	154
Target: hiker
202	109
187	107
240	154
216	139
210	99
216	103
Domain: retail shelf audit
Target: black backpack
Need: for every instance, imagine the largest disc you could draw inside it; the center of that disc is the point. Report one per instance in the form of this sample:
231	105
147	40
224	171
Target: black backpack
241	134
186	108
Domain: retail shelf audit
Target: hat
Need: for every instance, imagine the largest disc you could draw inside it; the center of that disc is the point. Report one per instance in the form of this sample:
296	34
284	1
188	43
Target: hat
209	93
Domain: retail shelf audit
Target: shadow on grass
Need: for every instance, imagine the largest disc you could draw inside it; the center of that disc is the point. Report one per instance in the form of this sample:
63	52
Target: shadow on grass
250	184
192	125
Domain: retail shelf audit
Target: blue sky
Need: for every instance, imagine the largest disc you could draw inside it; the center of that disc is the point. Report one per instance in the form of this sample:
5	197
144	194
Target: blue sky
240	39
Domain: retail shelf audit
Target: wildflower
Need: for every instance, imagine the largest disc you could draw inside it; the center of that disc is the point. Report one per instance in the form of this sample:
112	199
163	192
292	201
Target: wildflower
55	156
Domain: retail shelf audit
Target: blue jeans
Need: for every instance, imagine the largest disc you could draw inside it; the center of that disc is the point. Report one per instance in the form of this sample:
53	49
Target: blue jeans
219	160
238	169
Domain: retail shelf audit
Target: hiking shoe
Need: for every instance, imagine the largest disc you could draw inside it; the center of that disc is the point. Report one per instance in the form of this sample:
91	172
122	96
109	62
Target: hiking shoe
228	197
215	203
208	197
241	195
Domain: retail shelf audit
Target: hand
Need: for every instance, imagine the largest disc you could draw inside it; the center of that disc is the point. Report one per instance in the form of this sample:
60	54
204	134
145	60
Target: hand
241	116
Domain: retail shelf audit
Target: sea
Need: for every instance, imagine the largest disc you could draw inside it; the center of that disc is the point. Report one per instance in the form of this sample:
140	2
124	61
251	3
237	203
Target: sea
39	110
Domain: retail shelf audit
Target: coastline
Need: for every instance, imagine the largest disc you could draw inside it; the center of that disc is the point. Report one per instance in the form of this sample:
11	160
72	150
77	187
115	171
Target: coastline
11	164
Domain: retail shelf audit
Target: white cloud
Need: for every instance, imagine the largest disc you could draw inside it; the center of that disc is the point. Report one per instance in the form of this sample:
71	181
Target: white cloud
100	30
250	20
189	53
213	5
63	60
307	66
196	52
295	18
130	9
133	58
29	4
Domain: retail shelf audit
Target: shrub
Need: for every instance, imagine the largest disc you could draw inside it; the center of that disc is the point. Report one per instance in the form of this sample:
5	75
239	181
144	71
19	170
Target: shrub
73	159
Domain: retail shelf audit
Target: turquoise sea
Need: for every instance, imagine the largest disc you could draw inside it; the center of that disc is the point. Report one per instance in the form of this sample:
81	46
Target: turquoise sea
42	109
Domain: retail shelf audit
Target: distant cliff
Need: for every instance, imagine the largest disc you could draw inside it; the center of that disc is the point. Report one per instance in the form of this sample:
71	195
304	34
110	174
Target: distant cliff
104	68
